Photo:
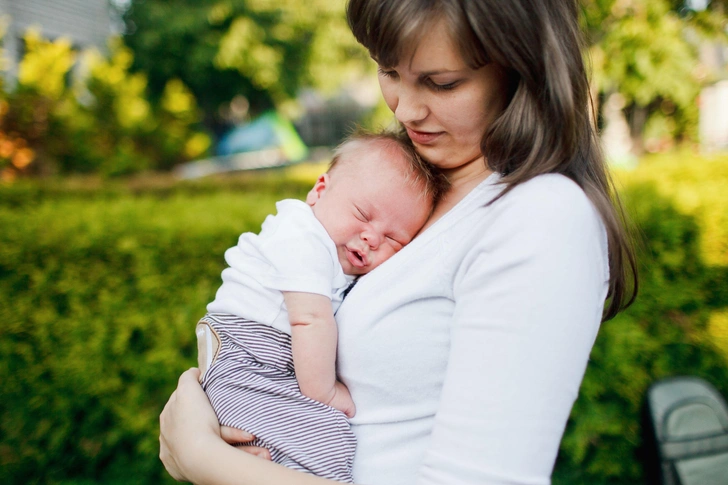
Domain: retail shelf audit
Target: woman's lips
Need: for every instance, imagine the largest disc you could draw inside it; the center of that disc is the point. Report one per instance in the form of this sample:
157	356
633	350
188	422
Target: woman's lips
423	137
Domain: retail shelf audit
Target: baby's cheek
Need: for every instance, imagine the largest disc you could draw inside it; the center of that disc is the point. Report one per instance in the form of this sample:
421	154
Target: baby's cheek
389	252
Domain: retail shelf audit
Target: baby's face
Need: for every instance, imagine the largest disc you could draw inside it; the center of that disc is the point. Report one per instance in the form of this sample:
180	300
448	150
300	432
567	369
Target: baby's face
368	208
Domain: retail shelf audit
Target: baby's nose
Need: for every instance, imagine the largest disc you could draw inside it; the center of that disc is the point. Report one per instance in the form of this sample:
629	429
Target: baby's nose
372	239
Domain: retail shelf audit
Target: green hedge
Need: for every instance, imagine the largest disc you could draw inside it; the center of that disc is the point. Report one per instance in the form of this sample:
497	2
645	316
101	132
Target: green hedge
101	285
99	294
678	205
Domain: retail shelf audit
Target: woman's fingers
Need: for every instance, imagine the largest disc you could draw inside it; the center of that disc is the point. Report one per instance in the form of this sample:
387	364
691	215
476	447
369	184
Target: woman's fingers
165	454
257	451
235	435
168	460
191	375
186	424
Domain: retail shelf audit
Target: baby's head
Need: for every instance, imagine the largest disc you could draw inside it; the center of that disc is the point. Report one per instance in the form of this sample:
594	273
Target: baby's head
375	197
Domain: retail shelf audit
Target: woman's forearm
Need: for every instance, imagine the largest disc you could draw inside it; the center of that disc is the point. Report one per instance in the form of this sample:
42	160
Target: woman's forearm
222	464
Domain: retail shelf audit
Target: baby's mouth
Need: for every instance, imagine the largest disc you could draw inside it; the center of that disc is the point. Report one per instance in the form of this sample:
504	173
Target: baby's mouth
357	258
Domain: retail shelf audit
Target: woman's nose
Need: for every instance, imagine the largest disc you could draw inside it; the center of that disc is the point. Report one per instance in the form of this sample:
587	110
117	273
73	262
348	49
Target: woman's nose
410	107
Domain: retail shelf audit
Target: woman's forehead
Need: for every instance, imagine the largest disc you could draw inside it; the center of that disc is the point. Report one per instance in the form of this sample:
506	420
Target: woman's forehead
427	39
394	41
434	53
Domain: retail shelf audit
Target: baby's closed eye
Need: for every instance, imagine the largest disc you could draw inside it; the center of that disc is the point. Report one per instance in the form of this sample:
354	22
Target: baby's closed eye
397	245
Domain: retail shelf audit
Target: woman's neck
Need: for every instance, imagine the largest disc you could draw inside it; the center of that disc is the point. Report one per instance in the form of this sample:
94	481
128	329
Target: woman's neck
463	180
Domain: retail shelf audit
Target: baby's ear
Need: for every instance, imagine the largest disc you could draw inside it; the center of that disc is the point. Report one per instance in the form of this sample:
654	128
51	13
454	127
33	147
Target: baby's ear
318	189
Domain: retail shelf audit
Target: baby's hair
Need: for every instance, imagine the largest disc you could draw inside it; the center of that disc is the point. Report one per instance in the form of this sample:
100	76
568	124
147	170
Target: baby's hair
419	173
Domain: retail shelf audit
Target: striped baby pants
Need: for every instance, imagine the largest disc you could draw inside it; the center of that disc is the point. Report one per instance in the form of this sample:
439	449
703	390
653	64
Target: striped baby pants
251	383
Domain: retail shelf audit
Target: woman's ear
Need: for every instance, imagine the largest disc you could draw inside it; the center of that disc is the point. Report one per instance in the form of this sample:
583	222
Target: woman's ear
318	190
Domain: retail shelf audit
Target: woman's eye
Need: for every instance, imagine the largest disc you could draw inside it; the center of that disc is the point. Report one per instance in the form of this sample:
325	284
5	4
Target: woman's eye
441	87
387	72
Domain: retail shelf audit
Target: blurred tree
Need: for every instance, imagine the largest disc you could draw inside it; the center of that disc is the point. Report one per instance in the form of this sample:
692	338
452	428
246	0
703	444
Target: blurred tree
264	50
94	117
647	50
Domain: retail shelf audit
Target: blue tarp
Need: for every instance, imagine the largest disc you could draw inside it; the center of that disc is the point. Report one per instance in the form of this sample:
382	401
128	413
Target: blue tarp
268	131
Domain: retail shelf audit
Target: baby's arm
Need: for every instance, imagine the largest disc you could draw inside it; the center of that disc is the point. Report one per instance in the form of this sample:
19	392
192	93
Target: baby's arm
313	338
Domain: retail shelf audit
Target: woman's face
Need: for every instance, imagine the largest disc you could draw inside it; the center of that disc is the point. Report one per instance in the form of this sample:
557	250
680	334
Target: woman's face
444	104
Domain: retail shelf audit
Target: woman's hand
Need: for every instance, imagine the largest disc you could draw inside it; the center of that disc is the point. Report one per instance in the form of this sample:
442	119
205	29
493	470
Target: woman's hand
186	423
189	426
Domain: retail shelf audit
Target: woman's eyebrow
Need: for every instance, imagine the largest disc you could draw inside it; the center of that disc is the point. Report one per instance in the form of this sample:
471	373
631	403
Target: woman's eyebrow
440	71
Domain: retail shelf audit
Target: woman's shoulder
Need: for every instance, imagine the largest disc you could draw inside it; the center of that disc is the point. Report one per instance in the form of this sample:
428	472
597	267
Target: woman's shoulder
550	208
546	221
549	197
551	188
544	202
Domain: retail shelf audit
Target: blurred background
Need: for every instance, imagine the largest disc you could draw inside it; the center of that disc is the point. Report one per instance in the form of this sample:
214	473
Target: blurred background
139	138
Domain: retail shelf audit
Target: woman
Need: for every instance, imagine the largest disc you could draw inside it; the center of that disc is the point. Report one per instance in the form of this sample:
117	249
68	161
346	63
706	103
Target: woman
465	351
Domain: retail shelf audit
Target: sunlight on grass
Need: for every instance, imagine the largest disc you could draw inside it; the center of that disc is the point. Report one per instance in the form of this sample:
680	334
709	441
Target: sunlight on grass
306	172
699	186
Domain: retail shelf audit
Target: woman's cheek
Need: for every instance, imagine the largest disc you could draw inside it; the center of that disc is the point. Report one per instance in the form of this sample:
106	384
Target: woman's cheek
388	92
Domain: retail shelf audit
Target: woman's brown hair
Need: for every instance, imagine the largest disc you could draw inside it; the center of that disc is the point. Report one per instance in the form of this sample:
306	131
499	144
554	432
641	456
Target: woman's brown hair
547	125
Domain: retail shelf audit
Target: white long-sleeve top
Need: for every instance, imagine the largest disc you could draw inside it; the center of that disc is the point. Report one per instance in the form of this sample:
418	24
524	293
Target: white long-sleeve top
465	351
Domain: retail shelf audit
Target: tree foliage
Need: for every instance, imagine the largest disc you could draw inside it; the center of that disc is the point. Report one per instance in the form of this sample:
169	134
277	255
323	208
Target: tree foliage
267	50
648	51
85	112
264	50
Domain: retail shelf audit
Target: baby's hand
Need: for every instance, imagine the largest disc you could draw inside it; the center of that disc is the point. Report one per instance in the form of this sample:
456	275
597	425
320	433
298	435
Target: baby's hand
342	400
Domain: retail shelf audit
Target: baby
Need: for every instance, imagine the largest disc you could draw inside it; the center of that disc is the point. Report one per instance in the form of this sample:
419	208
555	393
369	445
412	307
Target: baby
267	346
